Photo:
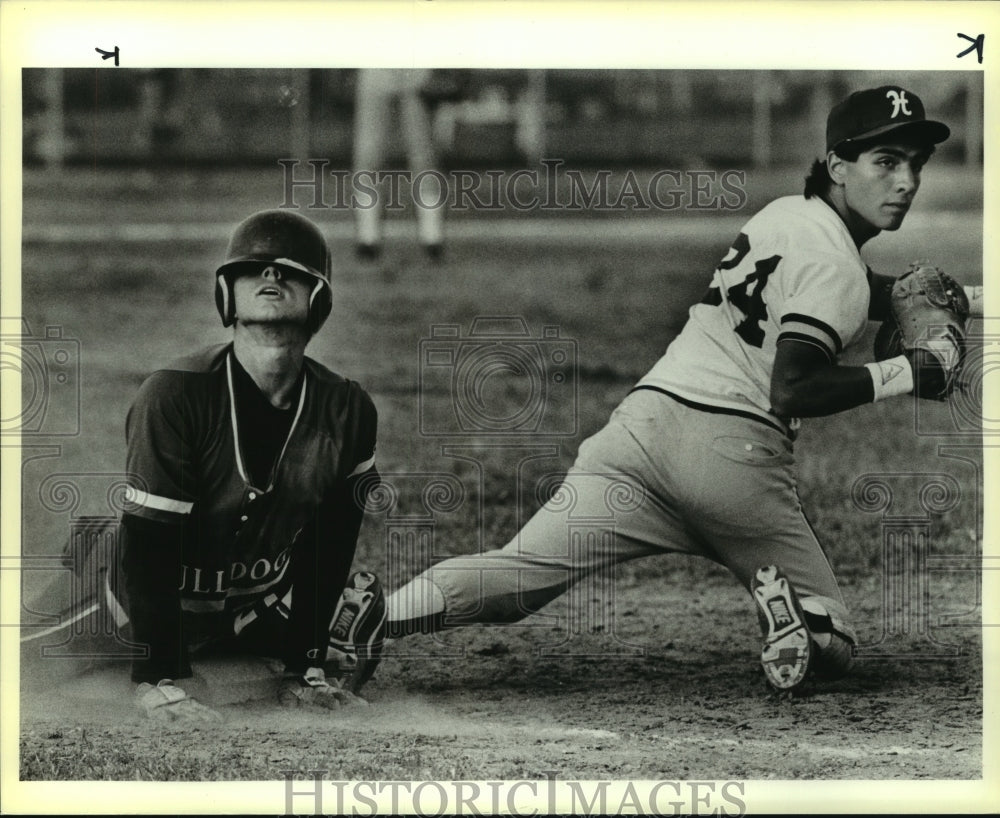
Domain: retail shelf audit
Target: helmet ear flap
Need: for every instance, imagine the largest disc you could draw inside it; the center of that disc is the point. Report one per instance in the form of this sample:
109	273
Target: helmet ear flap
224	300
320	305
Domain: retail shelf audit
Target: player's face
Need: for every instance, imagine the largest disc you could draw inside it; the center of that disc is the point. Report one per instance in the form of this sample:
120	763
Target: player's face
879	187
272	295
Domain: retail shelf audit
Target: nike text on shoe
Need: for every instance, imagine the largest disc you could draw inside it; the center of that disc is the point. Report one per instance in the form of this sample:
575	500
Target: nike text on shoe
357	632
787	645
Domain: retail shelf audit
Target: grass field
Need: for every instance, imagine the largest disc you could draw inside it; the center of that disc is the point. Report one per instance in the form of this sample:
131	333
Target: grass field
690	703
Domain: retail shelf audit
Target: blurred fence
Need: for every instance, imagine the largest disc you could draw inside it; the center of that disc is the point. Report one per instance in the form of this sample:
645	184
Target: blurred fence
105	116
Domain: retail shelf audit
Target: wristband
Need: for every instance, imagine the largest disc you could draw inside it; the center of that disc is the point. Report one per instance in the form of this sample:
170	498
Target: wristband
893	376
975	296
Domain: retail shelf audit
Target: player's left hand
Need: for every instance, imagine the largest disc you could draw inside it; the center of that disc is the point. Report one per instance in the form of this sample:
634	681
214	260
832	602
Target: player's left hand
313	689
927	324
166	701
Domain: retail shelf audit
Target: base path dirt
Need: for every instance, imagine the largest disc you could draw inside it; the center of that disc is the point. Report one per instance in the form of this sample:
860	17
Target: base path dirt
683	699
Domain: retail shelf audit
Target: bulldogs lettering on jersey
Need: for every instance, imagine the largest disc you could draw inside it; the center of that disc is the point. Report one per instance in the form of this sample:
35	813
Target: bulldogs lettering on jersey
792	273
186	466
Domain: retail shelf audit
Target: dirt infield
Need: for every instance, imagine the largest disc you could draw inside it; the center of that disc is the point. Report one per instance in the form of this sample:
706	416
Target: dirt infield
690	703
667	689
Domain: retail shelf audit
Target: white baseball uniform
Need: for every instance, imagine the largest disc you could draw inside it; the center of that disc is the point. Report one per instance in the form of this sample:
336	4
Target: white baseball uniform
694	459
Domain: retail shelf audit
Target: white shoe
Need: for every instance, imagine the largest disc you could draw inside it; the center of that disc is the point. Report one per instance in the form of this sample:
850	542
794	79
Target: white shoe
787	643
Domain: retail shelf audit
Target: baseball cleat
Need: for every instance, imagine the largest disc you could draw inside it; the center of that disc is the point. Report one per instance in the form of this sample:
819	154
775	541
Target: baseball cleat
357	631
787	644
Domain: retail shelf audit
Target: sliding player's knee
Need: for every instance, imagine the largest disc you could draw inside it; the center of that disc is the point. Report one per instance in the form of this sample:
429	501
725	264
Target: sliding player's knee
835	656
835	648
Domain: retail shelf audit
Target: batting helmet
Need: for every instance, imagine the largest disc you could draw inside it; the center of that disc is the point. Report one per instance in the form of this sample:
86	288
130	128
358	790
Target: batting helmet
280	238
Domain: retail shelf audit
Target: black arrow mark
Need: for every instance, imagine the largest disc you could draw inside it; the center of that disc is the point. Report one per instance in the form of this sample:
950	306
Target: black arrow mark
977	44
108	54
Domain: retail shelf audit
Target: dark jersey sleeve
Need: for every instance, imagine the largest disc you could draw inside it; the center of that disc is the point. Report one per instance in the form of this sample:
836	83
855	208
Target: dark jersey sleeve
152	555
160	466
322	561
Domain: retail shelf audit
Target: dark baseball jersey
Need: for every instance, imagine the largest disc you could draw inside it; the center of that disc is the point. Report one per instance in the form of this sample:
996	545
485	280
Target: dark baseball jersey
793	272
236	536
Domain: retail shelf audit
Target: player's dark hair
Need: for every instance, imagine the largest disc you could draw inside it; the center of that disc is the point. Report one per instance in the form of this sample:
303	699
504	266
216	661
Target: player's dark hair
818	179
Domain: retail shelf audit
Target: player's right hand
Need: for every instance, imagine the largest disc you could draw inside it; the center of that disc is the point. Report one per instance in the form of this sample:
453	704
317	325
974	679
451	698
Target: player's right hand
165	701
313	689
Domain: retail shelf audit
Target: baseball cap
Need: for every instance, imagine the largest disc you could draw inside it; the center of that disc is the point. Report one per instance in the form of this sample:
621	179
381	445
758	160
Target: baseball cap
878	111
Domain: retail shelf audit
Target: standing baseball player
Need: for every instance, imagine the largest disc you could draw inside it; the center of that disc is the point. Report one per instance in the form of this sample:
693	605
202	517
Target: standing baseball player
248	469
706	437
386	98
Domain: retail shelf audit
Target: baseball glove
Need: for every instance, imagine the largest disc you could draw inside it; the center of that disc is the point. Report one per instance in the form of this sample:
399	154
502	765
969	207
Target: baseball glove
928	313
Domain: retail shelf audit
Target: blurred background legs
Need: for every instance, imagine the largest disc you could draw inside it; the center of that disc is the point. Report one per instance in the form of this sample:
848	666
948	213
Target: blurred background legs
387	98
